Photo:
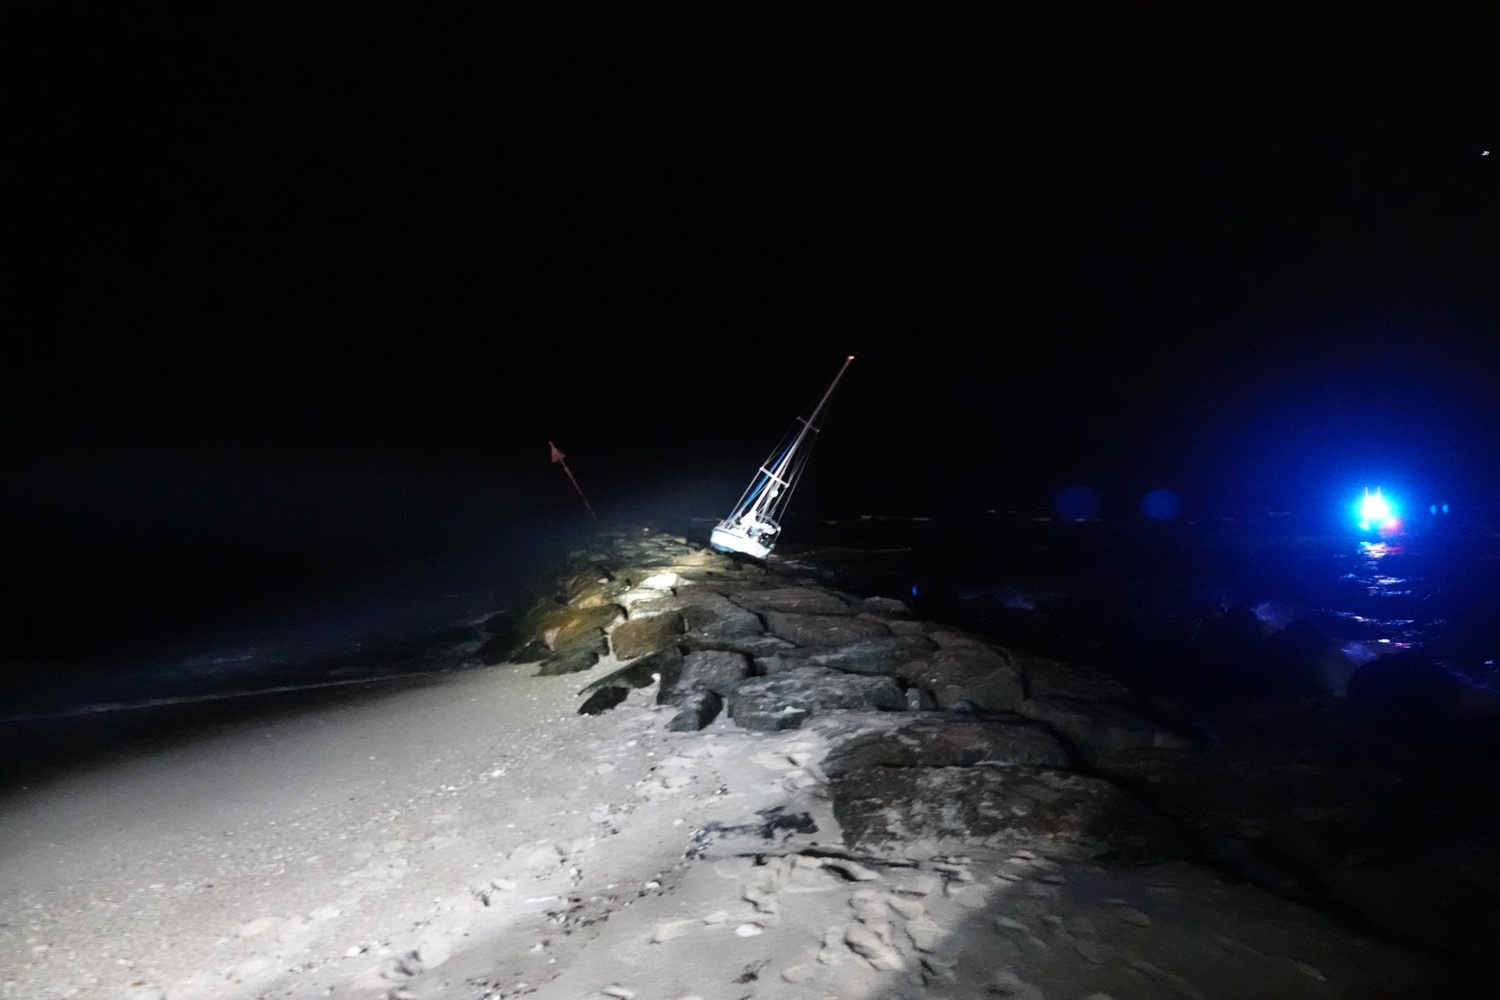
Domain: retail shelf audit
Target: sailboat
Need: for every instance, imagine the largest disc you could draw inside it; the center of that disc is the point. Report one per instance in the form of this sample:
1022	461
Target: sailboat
754	524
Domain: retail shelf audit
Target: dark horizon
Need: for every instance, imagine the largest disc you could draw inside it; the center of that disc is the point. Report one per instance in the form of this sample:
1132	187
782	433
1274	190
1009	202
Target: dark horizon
327	286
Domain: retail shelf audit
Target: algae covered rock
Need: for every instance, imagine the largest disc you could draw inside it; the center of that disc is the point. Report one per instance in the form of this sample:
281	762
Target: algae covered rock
644	636
560	625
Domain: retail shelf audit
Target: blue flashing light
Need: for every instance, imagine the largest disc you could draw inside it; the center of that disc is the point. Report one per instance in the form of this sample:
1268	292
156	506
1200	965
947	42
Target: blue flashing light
1375	507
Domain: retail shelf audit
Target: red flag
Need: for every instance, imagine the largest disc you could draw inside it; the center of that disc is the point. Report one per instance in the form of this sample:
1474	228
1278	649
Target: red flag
558	459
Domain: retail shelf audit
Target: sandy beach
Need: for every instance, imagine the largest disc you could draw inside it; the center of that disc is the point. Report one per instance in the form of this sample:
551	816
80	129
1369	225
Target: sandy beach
471	836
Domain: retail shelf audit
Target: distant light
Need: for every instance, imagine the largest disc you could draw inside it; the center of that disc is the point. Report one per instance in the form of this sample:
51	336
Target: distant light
914	590
1076	503
1375	507
1432	509
1445	508
1162	505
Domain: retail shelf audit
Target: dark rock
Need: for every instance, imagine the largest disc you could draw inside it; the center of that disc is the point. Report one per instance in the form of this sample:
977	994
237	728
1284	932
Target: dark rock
1407	692
666	662
879	807
1446	899
502	649
822	630
714	670
603	700
937	741
579	655
750	645
880	655
782	661
886	606
1193	787
699	708
532	652
899	626
644	636
714	616
920	700
1303	659
784	701
976	673
1051	679
947	638
1096	730
794	600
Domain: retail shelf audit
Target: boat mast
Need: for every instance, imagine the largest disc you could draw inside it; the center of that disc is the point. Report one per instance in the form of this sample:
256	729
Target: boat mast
779	472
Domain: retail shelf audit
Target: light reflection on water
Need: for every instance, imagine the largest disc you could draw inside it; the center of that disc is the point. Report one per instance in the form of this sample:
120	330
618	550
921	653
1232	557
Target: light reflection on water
1386	611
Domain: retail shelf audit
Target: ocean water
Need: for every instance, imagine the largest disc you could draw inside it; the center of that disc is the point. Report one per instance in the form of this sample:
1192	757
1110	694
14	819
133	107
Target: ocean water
287	616
1079	588
1432	588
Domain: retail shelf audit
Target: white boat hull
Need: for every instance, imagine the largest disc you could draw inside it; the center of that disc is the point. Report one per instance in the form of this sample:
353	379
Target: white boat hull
727	539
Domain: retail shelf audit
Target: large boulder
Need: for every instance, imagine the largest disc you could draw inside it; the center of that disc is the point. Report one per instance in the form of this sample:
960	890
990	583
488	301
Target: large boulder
1098	730
974	674
713	616
781	661
574	657
561	625
786	700
696	710
902	626
794	600
757	645
887	607
822	630
1444	898
575	585
644	636
882	655
925	740
1232	820
716	670
1309	659
1408	693
947	809
665	663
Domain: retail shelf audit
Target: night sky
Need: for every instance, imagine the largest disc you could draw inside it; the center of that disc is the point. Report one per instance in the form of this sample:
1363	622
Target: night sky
345	274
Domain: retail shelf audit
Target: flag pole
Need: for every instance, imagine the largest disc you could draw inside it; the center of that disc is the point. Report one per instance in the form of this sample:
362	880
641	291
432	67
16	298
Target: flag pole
562	460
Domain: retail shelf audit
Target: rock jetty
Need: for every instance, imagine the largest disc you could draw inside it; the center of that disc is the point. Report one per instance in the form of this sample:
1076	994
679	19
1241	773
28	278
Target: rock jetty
933	743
